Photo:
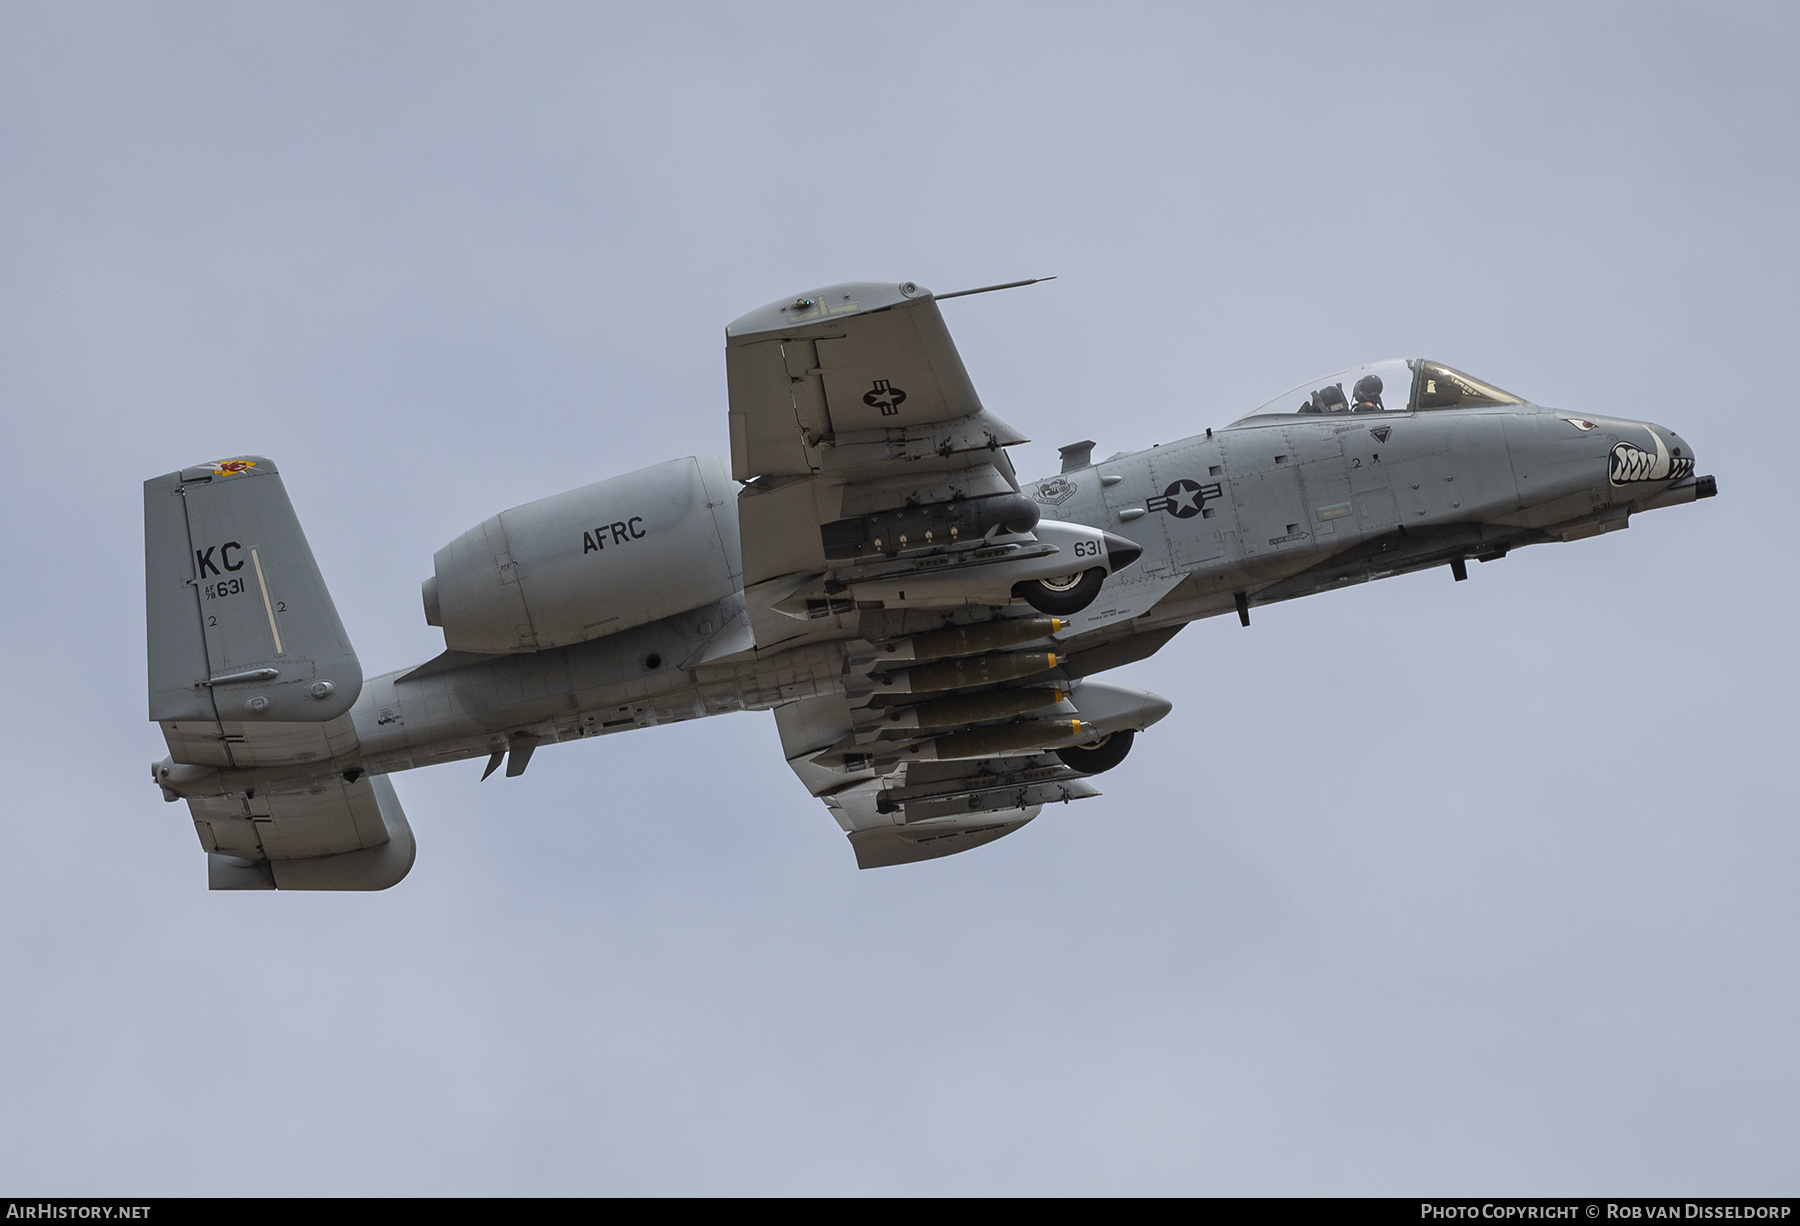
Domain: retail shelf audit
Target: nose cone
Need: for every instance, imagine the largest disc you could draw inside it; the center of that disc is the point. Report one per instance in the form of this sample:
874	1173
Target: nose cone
1679	449
1662	475
1648	453
1120	552
1155	707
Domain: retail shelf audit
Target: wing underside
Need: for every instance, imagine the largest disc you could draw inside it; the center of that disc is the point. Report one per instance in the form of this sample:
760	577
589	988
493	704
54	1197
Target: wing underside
880	508
928	810
897	809
846	404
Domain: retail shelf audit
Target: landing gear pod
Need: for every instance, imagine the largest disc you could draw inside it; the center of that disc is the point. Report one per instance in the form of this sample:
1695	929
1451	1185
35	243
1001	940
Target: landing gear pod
1098	756
1118	713
1063	595
994	574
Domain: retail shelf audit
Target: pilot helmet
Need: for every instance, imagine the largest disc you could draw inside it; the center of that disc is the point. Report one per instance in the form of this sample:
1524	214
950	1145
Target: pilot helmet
1368	390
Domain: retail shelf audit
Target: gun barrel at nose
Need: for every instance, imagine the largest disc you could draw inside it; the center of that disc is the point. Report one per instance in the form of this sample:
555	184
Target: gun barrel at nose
1691	490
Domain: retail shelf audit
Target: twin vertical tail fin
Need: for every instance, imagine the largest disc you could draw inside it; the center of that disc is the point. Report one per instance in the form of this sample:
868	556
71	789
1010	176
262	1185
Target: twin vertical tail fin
252	679
241	626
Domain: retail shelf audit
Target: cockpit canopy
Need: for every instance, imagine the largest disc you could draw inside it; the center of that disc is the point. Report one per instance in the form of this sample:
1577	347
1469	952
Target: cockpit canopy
1396	385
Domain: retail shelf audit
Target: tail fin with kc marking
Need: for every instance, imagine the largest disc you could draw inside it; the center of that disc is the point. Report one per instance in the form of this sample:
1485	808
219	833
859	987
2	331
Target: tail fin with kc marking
250	673
241	626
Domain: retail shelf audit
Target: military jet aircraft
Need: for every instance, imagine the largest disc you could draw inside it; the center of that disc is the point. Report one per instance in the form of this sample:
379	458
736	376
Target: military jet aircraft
929	631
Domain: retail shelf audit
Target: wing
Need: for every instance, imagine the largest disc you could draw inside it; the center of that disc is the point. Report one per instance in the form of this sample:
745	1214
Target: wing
900	813
880	507
846	403
828	379
944	740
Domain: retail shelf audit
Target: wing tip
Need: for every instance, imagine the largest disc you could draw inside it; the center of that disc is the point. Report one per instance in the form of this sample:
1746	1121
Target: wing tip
816	306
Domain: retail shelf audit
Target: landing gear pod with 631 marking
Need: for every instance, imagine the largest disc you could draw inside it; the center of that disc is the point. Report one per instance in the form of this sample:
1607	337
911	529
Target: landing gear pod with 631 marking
1071	593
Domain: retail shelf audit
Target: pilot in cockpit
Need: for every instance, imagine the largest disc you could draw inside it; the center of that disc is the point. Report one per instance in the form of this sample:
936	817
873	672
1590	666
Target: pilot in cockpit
1326	400
1368	394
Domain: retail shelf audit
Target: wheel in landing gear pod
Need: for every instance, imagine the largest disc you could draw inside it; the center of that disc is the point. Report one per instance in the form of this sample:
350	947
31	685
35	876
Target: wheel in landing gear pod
1100	755
1064	595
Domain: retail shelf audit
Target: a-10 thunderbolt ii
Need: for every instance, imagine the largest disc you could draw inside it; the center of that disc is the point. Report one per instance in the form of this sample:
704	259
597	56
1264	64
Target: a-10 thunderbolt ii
929	631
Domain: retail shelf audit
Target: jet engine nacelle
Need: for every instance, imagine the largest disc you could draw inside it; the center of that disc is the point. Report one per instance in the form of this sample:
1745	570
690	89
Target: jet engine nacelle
590	562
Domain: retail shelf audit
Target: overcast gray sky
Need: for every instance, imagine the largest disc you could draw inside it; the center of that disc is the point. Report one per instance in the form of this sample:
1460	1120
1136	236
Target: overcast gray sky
1424	887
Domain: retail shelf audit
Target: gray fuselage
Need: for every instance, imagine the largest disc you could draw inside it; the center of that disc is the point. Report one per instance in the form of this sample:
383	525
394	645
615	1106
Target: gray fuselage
1270	508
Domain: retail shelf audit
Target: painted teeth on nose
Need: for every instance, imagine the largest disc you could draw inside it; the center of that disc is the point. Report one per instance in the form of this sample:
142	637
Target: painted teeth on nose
1629	463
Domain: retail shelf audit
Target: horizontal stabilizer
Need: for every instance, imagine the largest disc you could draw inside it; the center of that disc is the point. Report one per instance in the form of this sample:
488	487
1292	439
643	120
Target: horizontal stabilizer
352	836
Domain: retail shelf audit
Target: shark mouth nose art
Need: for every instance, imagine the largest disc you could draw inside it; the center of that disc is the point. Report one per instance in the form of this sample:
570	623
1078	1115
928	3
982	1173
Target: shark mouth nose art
1630	463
